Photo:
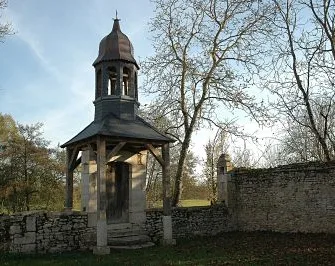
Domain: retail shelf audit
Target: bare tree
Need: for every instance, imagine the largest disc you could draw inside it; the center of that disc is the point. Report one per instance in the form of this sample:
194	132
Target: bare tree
302	77
206	53
5	27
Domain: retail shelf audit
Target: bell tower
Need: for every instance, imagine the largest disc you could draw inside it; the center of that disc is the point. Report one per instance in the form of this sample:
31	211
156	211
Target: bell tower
112	148
116	91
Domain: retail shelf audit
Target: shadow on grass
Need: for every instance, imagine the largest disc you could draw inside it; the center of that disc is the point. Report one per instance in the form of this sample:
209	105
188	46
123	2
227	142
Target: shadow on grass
234	248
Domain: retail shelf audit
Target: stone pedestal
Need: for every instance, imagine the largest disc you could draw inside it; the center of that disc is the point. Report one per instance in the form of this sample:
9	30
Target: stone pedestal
167	231
224	166
101	250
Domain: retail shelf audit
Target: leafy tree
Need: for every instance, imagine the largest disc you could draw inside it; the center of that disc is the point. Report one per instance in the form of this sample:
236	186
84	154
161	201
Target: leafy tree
206	53
31	174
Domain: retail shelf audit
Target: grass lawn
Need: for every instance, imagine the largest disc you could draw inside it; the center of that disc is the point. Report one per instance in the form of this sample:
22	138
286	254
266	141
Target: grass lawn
185	203
235	248
194	202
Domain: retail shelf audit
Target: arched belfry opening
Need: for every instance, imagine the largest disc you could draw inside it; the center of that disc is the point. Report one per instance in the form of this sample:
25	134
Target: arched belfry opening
125	81
112	78
109	148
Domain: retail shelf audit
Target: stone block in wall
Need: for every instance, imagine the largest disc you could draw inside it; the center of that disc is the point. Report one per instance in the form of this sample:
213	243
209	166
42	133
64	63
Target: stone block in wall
31	224
29	248
15	229
92	219
191	221
27	238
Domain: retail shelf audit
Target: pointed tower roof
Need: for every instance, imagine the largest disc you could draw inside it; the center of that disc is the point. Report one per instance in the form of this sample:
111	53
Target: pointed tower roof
116	107
116	46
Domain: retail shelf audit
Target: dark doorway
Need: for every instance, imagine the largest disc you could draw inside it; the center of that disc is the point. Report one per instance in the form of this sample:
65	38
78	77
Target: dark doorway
117	189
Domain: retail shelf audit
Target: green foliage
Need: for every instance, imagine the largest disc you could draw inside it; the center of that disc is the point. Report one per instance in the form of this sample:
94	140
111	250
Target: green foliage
31	174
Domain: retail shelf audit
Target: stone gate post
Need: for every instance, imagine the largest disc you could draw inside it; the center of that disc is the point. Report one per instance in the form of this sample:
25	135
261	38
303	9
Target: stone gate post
224	166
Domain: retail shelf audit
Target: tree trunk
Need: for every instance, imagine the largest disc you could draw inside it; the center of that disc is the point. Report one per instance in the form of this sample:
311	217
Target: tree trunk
178	186
27	202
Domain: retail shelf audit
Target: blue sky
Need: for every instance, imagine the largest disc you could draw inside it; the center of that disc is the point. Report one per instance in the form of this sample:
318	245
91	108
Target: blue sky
46	72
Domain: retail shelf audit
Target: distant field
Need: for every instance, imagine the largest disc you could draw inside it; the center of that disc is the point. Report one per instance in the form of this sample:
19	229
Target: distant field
183	203
194	202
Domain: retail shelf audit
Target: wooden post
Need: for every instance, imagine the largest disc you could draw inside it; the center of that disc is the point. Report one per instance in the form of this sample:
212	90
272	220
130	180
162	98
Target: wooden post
166	180
101	178
167	218
101	247
69	181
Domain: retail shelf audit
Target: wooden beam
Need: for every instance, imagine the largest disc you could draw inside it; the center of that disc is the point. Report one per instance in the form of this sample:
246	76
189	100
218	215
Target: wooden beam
78	161
155	153
69	181
101	178
115	150
90	146
101	194
73	157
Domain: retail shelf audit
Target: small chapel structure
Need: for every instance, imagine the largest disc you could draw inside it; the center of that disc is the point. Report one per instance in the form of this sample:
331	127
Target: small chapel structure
112	149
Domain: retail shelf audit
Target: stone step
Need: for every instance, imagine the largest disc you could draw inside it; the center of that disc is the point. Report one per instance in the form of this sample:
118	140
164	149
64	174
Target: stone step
138	246
121	226
127	236
128	240
121	233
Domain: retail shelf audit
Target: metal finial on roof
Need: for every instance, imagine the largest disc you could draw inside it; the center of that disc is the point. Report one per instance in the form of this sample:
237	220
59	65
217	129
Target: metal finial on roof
116	14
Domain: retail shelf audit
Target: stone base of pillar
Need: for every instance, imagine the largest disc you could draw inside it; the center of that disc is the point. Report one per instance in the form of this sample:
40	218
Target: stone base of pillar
168	242
101	233
101	250
68	210
167	231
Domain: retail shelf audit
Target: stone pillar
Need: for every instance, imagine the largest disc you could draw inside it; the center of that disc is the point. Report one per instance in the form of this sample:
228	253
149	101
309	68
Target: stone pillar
137	202
167	218
69	182
101	247
224	166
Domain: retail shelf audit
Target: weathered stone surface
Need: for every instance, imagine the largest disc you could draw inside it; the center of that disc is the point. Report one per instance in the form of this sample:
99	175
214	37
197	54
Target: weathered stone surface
28	238
290	198
43	232
15	229
31	223
186	222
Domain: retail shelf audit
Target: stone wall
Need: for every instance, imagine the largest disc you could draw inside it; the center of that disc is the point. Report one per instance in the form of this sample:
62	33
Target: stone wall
42	232
290	198
191	221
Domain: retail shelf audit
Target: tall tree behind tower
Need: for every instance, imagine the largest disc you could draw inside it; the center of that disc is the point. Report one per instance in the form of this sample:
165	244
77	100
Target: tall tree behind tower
206	53
303	74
